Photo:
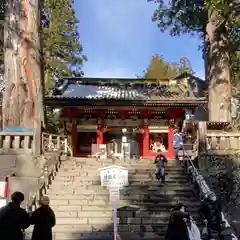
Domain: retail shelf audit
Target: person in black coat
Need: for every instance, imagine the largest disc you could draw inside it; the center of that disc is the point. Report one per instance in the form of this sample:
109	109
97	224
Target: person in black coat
43	219
210	212
177	227
13	219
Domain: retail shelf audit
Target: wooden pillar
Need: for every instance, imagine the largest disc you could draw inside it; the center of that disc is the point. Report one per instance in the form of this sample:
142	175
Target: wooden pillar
170	143
74	137
99	135
99	139
170	139
146	139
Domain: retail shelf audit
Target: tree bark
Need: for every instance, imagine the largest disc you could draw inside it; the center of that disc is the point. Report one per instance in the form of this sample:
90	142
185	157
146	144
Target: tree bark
23	99
218	70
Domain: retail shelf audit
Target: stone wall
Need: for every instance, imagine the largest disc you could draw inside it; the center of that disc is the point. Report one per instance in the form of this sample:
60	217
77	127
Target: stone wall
221	170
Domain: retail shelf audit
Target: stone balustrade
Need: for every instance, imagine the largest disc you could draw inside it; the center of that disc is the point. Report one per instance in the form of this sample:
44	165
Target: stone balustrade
223	141
16	141
23	142
55	143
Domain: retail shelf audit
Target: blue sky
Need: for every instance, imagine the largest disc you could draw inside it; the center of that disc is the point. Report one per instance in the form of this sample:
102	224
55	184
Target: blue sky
119	38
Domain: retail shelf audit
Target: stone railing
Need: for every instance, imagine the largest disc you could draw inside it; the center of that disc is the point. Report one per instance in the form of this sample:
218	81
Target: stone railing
223	141
204	191
16	141
55	143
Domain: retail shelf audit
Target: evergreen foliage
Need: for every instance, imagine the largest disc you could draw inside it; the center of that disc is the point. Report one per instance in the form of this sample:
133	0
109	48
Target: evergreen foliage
191	17
62	50
216	22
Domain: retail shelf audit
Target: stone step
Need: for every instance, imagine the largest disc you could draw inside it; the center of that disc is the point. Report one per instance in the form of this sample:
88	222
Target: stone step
167	204
159	197
84	172
124	192
104	227
149	190
109	220
121	213
92	161
144	186
101	235
107	207
97	236
131	182
136	177
130	169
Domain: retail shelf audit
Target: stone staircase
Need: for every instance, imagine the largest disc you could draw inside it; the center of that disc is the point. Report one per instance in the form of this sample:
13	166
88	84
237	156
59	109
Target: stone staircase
83	211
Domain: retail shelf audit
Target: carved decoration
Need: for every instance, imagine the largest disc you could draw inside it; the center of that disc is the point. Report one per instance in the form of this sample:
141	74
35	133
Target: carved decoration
87	116
105	129
111	116
134	117
171	123
99	121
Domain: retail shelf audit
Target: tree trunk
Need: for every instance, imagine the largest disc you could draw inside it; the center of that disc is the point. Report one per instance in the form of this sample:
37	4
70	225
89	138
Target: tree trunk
22	100
218	70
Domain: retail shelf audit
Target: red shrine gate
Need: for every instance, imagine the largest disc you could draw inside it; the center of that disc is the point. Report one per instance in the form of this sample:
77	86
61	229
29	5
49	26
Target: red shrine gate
99	126
103	112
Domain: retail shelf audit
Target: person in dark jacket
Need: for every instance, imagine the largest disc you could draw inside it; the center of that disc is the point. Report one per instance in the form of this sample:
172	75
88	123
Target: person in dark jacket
13	219
160	162
210	212
43	219
177	227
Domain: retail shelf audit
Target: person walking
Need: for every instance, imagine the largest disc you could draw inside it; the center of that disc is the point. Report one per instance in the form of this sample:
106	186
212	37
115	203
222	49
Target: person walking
210	212
43	220
177	227
177	143
160	162
13	218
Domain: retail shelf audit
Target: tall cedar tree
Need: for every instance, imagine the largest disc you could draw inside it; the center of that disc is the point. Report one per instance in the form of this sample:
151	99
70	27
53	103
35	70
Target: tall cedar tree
61	45
215	22
160	69
2	7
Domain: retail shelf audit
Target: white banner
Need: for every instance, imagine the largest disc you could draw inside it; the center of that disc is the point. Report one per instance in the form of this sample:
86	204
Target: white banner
2	189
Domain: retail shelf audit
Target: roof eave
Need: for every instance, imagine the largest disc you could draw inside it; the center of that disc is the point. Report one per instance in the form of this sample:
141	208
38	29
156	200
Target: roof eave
59	101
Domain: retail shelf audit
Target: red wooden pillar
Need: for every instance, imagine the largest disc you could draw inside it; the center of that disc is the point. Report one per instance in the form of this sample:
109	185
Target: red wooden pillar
146	142
170	140
74	137
99	135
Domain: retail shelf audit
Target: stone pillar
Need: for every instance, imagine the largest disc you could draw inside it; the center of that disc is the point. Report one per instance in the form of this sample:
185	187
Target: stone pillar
146	139
74	137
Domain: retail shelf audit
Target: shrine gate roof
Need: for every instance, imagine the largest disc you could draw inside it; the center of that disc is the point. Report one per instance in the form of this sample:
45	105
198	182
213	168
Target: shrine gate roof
72	91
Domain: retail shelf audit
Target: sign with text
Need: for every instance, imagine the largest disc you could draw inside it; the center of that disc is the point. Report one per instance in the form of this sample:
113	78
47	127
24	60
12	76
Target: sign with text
114	195
114	176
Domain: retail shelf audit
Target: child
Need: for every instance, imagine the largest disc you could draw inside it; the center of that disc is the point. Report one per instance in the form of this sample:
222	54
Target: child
160	162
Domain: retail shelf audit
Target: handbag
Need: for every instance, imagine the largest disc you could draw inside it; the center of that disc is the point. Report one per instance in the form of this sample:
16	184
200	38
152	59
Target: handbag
193	231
